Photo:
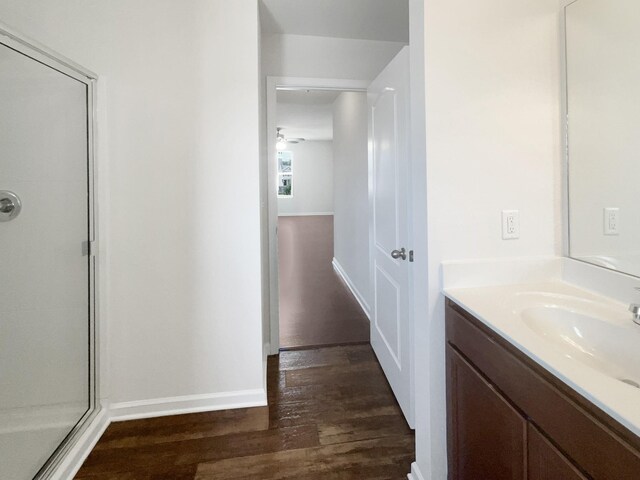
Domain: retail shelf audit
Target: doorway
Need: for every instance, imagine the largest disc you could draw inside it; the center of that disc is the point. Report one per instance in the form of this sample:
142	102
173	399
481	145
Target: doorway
323	93
372	227
317	185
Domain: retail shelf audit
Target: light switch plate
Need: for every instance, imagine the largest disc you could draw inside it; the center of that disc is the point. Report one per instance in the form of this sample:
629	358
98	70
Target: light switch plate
510	224
612	221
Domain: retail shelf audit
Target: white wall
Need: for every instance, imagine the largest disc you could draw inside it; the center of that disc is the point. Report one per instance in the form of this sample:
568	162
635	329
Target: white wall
181	110
312	180
493	143
325	57
603	94
351	197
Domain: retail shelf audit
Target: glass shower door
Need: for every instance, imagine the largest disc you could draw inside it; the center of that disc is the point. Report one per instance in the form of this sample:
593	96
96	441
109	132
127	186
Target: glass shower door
45	296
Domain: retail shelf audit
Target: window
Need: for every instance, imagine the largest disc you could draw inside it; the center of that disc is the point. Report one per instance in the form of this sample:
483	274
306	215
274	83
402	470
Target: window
285	174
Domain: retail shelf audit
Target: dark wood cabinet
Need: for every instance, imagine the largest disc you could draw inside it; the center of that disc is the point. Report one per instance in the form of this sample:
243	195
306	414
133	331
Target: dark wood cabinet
546	462
488	434
509	418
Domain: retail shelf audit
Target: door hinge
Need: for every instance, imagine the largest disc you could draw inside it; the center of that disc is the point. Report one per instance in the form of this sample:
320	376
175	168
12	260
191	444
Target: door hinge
411	255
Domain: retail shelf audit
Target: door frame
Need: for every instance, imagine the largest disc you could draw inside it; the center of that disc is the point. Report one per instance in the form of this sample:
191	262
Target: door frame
274	84
57	462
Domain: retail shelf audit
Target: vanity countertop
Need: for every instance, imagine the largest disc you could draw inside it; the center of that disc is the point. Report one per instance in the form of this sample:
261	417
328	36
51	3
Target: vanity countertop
587	340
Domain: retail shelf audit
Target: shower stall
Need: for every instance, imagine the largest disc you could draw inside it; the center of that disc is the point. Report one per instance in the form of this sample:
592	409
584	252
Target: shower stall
48	386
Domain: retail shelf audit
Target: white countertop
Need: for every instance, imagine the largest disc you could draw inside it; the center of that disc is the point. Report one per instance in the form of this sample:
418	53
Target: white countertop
506	309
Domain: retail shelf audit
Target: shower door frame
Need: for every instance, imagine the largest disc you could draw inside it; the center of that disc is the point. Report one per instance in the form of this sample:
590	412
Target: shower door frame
41	54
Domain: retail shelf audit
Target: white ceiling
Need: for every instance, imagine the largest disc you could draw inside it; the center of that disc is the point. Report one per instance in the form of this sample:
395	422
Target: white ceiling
306	114
386	20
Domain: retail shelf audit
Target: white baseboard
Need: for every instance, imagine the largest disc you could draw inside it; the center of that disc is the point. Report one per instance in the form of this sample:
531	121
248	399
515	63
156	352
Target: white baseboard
356	293
160	407
79	452
309	214
415	473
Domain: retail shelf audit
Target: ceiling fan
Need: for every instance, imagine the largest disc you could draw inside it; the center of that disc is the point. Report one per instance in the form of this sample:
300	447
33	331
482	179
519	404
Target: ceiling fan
282	141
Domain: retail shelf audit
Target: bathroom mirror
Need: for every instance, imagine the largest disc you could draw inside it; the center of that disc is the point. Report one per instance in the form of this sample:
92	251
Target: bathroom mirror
603	107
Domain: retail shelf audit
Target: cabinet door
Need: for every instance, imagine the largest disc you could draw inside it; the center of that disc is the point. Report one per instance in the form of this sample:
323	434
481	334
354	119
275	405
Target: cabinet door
546	461
487	436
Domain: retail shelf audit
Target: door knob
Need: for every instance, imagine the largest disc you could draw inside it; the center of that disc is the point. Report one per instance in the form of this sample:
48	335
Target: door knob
9	205
402	253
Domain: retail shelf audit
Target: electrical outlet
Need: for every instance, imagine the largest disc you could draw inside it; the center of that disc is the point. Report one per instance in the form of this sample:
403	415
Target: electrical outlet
612	221
510	224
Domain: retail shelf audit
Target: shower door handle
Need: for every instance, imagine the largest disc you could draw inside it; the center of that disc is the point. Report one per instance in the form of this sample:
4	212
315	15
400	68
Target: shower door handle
10	205
6	205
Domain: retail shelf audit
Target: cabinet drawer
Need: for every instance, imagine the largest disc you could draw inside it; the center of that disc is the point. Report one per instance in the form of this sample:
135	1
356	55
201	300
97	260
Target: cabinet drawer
579	432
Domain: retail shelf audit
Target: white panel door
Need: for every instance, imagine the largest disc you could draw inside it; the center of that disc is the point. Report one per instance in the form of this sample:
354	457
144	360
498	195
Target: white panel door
388	98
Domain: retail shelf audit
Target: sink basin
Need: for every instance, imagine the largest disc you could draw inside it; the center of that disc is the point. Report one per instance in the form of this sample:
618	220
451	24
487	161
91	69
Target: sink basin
597	337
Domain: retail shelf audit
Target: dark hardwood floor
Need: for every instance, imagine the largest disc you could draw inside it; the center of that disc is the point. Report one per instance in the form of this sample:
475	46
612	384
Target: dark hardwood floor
331	416
316	307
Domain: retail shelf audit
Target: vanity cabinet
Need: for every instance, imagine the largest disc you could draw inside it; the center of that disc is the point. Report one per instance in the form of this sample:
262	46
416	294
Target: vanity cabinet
488	435
509	418
545	461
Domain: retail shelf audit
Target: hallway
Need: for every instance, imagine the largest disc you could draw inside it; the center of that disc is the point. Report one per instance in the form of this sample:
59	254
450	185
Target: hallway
331	415
316	306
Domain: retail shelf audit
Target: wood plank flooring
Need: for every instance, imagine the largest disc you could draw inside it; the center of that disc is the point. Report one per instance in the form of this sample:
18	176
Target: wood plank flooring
331	416
316	307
